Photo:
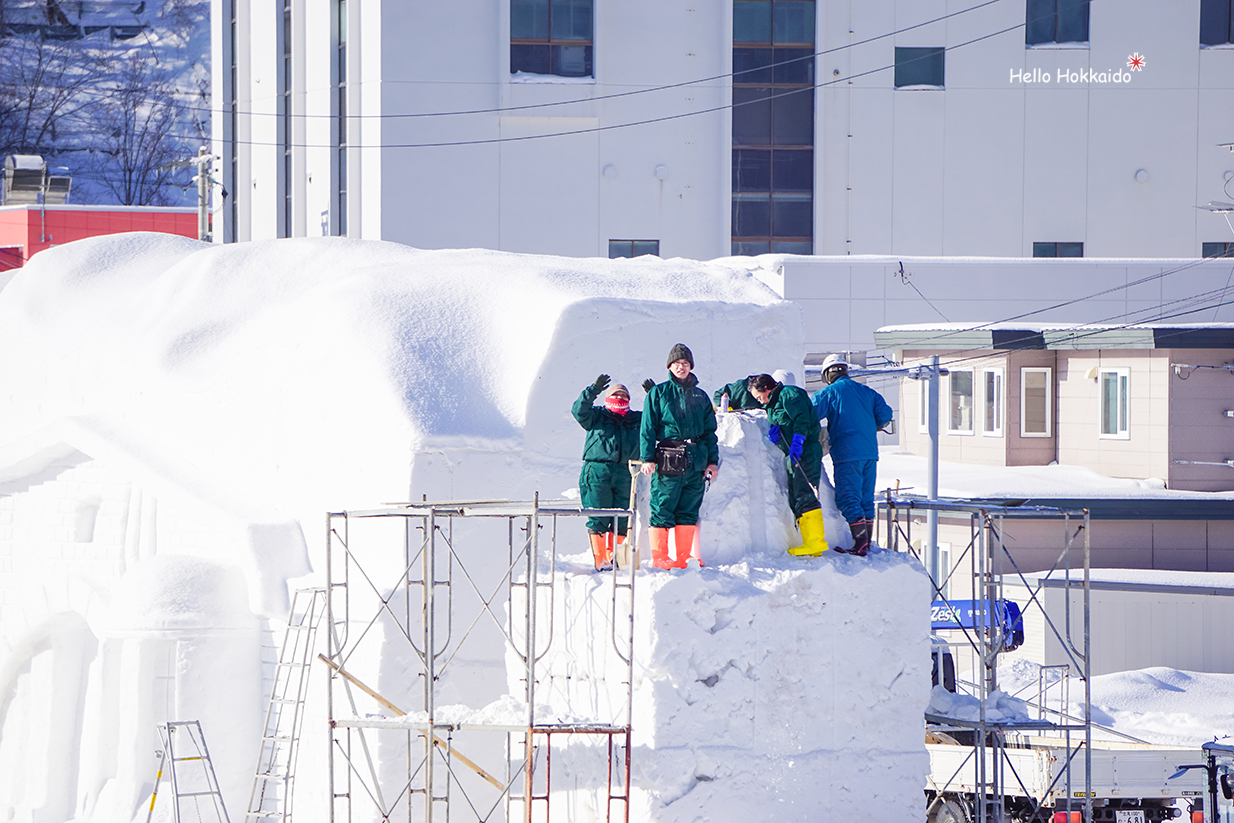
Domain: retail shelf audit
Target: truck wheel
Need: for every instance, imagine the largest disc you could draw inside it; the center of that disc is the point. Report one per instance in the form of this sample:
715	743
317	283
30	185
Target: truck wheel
949	811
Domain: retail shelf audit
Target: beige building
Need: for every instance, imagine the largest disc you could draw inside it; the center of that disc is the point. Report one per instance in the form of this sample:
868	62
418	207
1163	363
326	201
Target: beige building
1146	401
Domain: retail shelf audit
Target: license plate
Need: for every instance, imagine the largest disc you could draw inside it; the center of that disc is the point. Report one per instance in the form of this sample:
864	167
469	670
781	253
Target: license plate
1136	816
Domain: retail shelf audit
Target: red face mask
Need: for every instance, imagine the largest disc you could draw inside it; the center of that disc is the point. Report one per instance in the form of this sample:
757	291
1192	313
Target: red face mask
617	404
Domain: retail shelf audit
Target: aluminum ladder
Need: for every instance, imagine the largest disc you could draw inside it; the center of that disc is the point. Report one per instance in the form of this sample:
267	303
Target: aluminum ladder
280	741
187	784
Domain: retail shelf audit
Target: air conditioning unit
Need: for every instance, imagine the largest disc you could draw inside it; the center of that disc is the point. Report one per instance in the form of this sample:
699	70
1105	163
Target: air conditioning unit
29	182
23	179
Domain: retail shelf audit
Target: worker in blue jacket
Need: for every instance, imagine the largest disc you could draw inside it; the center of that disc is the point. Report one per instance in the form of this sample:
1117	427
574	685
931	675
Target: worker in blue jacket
854	414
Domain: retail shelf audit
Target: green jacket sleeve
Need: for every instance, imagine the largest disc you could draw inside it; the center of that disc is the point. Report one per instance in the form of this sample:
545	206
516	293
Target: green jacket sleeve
651	419
794	414
584	410
710	439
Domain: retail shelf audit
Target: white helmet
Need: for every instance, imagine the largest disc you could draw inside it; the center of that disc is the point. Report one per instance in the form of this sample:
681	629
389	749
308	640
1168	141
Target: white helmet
836	362
785	377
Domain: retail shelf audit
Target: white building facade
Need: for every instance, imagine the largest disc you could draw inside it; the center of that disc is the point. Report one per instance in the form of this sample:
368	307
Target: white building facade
1010	128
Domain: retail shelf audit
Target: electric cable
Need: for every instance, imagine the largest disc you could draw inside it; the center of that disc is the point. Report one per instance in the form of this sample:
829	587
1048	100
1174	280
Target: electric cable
616	95
613	126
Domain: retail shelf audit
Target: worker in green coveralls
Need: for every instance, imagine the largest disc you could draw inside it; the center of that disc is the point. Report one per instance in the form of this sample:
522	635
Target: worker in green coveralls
604	482
795	429
679	451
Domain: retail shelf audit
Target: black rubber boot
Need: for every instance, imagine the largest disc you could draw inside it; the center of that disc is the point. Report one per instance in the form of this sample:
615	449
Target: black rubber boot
861	537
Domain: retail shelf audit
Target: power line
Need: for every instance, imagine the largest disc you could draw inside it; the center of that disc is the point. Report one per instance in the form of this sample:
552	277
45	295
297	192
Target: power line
1086	330
616	95
615	126
942	334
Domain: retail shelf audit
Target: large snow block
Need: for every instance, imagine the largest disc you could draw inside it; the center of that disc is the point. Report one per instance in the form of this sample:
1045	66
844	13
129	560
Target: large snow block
781	689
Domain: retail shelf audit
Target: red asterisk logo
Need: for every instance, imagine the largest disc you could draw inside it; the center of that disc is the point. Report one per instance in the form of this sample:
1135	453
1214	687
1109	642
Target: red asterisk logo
1136	61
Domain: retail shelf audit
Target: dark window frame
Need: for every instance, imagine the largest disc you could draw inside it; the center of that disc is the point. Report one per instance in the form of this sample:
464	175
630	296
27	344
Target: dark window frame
910	60
634	250
1058	249
551	46
1216	22
1218	249
1053	21
772	71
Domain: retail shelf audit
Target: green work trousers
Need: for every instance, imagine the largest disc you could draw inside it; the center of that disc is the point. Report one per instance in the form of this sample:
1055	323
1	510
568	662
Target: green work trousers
605	485
675	501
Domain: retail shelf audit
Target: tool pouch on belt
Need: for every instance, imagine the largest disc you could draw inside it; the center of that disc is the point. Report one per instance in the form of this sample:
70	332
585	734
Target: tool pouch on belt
672	458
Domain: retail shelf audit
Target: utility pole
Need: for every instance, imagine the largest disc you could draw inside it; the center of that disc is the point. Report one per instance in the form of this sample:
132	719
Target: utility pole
204	161
204	171
932	486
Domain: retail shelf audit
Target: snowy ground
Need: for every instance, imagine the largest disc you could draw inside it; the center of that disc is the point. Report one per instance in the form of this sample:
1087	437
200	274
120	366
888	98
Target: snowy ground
1157	705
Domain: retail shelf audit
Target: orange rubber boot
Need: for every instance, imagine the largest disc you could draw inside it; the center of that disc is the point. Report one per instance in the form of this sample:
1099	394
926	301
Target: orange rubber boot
601	553
685	537
659	548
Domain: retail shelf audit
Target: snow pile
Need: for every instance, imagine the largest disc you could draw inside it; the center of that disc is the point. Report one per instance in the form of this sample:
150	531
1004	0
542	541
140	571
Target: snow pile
1166	706
1158	705
1000	707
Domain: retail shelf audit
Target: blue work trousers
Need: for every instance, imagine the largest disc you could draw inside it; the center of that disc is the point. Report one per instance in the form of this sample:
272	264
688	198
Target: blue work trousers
854	482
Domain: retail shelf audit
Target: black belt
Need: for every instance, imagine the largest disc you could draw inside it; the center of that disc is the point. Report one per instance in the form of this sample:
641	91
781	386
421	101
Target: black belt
670	442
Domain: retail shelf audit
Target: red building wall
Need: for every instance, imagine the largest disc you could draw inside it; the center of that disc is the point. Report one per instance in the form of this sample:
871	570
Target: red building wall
27	230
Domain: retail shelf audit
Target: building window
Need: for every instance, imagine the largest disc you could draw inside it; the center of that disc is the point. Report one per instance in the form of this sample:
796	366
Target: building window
632	248
1217	249
1216	22
960	413
1058	249
286	118
773	127
551	37
944	570
340	222
1036	412
1113	384
1056	21
919	67
992	402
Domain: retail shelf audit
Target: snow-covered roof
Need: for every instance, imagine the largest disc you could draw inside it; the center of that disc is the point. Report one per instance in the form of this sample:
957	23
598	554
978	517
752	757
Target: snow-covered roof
1018	336
1054	485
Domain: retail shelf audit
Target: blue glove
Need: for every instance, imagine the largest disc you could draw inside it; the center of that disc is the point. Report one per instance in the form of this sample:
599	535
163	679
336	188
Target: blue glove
773	434
798	446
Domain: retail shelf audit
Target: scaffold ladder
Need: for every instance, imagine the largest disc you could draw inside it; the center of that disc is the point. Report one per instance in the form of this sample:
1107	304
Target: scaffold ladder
271	797
192	784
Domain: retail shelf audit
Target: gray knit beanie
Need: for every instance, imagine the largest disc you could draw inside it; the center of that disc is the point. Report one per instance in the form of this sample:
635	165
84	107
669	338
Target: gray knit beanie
680	351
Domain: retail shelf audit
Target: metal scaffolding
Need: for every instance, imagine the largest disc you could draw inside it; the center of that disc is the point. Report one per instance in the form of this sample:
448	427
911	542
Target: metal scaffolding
985	770
421	604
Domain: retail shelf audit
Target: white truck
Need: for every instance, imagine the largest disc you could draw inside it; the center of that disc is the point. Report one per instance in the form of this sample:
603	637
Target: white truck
1131	782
